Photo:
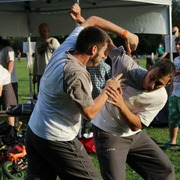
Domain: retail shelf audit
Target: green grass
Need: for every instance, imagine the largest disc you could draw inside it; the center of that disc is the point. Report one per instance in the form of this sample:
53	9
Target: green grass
23	80
161	135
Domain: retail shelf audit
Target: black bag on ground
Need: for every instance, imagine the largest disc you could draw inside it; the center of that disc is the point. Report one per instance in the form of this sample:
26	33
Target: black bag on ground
21	109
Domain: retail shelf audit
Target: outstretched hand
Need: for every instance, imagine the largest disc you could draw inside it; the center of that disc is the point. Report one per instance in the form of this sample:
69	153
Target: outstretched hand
116	97
114	82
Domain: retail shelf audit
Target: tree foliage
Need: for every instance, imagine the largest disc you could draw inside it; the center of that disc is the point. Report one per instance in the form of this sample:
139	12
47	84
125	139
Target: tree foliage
176	13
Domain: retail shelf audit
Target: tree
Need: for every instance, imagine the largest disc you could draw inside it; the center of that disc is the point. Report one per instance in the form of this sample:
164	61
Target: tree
176	13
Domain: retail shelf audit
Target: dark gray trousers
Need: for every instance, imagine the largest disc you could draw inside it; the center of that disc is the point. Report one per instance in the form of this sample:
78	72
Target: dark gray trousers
139	151
49	159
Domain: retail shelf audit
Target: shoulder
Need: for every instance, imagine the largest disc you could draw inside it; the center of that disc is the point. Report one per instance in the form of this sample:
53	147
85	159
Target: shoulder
117	51
161	95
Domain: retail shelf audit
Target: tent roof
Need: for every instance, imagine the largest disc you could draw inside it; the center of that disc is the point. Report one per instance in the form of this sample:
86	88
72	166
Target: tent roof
21	18
163	2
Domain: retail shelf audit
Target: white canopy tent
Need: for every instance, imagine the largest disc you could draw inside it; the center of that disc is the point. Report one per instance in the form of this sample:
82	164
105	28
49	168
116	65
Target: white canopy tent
20	18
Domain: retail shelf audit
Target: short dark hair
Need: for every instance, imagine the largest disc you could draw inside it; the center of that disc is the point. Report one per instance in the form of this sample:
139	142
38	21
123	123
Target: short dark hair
166	67
89	37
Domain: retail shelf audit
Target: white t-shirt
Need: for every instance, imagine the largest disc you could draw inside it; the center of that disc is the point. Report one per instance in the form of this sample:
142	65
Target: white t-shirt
146	105
5	77
7	54
176	80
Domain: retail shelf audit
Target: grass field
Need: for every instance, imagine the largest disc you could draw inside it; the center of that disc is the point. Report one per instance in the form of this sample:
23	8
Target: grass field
160	134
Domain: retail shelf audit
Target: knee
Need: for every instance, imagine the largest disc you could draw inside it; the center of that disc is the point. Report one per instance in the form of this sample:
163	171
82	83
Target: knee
170	172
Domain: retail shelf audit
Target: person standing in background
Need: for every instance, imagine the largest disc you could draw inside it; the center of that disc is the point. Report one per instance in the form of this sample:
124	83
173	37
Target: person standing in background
44	48
99	75
175	32
7	60
5	80
174	101
5	83
18	55
160	50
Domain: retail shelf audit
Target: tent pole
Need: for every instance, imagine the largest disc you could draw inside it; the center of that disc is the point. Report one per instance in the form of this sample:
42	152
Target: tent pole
77	1
170	33
30	64
29	53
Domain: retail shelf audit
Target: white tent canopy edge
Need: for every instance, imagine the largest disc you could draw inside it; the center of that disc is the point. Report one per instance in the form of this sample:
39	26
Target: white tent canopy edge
21	18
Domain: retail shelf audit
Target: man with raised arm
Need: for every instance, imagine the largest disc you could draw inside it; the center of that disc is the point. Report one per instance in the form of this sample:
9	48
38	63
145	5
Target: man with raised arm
118	134
64	95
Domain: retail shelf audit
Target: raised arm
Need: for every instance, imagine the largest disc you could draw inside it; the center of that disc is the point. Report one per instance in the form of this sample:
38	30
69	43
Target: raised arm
131	40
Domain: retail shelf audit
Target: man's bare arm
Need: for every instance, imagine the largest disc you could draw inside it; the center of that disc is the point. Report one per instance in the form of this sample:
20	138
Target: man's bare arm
131	40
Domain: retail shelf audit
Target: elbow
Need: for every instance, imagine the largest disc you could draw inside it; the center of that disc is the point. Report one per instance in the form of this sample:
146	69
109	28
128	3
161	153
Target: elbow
92	21
89	117
88	114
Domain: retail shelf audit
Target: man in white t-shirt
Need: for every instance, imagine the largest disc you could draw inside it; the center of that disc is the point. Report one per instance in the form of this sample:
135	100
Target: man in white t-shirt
117	127
118	134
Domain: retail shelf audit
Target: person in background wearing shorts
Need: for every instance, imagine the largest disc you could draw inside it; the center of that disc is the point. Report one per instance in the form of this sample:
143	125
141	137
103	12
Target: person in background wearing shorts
7	95
174	101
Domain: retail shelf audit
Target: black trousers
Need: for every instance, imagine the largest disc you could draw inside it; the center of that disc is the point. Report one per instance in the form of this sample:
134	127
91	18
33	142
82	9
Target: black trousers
49	159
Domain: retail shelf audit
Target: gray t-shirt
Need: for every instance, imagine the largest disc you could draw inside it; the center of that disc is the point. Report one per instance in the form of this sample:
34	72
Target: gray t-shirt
133	74
65	89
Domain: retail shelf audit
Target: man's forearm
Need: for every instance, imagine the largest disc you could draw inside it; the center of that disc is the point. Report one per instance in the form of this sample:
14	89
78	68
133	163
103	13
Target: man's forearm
103	24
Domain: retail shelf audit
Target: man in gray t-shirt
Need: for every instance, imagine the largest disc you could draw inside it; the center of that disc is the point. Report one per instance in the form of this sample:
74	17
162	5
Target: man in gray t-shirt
64	96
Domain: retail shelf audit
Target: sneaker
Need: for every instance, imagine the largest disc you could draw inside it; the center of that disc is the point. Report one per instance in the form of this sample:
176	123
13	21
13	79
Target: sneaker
168	145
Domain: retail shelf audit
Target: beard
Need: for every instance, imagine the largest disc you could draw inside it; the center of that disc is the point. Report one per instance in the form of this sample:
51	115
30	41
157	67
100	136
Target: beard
94	61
